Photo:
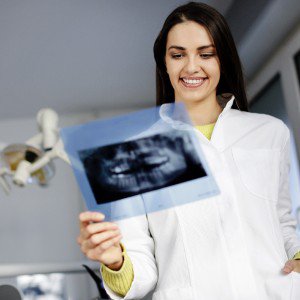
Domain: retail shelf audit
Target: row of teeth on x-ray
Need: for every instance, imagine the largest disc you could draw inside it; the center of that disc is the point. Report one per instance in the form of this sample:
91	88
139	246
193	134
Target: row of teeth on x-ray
129	165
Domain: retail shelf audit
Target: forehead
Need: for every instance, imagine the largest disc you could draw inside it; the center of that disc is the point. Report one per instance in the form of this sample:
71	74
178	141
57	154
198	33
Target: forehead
189	34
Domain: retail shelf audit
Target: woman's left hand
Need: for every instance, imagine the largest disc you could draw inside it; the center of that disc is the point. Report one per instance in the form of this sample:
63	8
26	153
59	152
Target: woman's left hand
291	266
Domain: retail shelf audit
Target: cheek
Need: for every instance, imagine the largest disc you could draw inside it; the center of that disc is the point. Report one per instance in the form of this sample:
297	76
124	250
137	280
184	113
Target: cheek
173	69
215	72
173	75
218	74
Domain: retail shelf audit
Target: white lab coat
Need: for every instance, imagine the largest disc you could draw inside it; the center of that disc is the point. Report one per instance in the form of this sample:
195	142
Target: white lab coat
231	246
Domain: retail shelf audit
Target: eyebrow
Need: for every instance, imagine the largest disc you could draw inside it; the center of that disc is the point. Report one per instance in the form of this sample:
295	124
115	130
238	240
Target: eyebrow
182	48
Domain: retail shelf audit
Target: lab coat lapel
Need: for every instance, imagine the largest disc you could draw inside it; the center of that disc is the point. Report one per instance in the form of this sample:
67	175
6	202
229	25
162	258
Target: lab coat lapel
227	133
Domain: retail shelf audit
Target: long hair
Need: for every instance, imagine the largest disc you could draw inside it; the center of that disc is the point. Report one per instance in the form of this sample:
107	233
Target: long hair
231	79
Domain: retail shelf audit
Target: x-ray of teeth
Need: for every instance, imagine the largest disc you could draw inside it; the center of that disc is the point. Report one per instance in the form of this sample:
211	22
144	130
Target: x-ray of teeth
139	163
135	167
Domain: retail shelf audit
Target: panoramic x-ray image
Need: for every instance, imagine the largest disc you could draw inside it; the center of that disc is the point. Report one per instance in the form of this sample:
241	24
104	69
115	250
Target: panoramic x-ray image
139	163
134	167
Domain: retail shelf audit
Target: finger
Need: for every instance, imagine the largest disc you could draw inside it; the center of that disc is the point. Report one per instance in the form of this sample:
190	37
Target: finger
96	252
85	247
101	227
289	267
81	218
92	254
94	228
88	216
97	239
109	243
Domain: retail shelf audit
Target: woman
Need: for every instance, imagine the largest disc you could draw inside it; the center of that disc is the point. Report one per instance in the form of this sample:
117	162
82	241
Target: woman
237	245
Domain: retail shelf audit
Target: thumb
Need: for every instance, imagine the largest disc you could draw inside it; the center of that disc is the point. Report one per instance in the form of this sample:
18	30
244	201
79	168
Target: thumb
289	266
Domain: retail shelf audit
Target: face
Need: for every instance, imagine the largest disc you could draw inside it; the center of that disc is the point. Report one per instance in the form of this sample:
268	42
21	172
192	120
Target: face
192	63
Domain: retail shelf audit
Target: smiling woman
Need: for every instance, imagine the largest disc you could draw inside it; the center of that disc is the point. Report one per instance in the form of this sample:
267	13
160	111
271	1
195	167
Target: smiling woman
193	68
242	241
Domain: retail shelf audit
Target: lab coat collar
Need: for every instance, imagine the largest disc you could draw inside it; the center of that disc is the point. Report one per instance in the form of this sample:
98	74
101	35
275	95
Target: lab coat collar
231	126
176	115
225	103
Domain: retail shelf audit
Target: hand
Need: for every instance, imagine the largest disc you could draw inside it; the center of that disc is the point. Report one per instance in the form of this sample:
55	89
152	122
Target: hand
100	240
291	265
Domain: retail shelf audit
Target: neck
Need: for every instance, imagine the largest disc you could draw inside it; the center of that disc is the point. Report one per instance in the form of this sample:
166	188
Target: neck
203	112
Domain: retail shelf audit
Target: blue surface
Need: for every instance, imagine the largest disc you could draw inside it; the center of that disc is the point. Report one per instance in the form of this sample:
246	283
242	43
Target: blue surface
164	120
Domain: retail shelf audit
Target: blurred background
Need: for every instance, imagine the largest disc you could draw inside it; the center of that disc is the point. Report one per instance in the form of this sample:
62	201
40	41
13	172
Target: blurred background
90	59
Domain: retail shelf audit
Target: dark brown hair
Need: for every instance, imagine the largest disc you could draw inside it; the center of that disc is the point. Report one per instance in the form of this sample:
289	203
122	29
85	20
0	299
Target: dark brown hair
231	80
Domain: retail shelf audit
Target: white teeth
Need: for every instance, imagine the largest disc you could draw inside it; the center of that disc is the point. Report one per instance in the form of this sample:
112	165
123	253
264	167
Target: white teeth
193	81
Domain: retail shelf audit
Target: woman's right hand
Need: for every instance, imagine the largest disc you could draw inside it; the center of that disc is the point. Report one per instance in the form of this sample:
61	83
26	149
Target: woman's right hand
100	240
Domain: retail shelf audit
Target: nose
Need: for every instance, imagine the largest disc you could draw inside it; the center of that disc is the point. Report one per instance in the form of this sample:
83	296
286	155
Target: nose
192	65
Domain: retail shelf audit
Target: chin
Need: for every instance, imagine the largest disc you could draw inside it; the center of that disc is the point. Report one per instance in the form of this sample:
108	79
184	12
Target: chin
191	98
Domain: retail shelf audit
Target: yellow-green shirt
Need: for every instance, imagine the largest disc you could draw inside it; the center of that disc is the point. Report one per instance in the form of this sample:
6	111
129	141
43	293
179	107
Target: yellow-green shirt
206	130
121	280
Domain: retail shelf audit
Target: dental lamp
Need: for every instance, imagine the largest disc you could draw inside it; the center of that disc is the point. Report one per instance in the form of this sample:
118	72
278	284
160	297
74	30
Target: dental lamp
33	161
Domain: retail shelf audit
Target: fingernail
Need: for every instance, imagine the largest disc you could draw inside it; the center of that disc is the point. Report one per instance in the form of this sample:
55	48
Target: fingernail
101	216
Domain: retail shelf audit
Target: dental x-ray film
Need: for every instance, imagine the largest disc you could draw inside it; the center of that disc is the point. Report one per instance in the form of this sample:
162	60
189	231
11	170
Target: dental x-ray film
139	163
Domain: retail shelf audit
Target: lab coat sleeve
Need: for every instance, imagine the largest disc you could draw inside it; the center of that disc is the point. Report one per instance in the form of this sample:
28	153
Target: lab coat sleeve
284	205
140	248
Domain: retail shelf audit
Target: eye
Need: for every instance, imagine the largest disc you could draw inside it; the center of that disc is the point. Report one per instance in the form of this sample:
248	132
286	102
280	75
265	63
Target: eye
207	55
177	55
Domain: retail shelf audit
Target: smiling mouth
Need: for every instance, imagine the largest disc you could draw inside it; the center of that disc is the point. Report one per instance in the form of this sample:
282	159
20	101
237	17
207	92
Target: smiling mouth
192	82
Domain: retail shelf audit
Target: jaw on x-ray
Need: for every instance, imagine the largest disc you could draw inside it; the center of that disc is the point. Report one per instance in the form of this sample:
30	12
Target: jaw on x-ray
146	164
139	163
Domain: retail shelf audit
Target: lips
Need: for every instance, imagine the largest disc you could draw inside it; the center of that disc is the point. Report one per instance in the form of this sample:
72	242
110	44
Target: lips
193	82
